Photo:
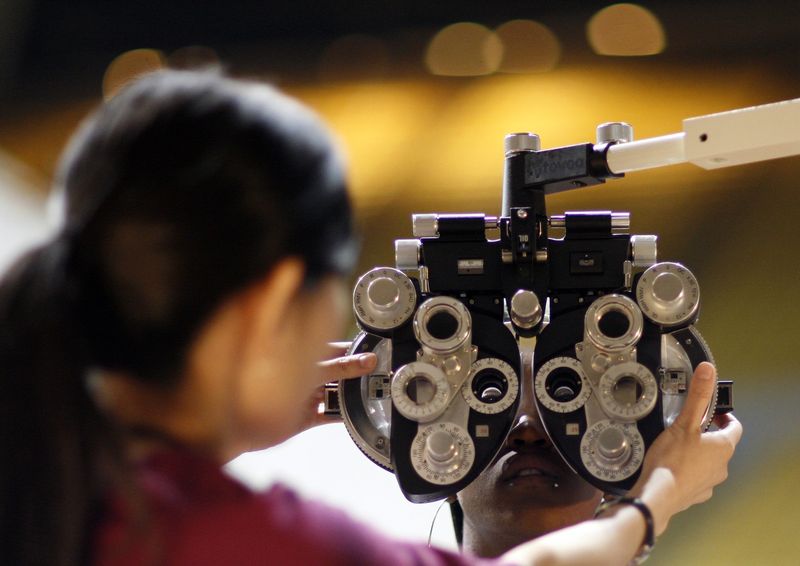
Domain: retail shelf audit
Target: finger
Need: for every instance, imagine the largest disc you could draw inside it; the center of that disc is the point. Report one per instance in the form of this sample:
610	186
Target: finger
701	389
339	348
730	427
348	366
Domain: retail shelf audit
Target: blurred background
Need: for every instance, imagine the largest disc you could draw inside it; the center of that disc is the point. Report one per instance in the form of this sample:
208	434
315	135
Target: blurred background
421	94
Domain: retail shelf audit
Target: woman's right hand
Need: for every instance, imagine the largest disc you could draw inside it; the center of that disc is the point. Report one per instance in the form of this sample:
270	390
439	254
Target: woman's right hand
684	463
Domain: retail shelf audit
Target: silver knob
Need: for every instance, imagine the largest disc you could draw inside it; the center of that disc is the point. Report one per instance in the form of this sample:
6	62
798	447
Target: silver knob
384	298
526	312
407	254
441	447
613	445
614	132
668	294
515	143
425	225
383	293
620	221
644	250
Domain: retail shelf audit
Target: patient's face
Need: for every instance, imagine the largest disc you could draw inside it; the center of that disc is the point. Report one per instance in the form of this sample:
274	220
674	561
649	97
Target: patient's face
528	490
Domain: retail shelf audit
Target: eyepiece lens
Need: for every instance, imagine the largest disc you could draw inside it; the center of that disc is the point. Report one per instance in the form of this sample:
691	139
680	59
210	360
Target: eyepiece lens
420	389
489	386
614	324
442	325
627	391
563	384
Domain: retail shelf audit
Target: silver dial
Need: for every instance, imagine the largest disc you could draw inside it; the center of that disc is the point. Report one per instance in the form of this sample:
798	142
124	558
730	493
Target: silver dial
668	294
612	451
384	298
526	312
492	386
628	391
442	453
420	391
561	385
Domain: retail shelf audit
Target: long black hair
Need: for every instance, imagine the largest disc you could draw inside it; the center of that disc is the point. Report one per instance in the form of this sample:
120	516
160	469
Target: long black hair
178	193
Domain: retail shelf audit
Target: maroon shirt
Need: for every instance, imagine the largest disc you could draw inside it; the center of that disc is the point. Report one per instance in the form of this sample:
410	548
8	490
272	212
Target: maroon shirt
197	516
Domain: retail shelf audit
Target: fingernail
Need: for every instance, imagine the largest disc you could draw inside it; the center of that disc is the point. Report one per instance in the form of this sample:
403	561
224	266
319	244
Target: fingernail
365	360
704	372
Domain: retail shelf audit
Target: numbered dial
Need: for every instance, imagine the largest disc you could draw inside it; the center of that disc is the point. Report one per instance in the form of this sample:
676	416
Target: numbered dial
628	391
612	451
561	385
420	391
492	386
442	453
384	298
668	294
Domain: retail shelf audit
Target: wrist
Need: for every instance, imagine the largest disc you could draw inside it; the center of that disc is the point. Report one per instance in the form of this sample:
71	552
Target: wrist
649	537
659	492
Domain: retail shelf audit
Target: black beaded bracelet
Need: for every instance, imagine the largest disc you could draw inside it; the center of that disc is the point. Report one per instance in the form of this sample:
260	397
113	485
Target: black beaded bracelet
649	534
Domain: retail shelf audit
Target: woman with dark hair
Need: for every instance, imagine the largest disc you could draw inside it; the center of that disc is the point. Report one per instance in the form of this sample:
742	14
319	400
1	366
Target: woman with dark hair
176	320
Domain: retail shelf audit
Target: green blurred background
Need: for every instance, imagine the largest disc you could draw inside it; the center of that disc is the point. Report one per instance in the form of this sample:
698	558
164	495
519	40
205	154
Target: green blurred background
421	106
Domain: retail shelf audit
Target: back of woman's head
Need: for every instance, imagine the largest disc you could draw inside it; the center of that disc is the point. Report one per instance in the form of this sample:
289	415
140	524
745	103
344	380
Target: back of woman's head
184	189
178	193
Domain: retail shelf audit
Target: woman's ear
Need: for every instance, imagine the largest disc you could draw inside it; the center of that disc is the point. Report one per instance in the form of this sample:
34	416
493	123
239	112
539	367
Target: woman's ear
269	301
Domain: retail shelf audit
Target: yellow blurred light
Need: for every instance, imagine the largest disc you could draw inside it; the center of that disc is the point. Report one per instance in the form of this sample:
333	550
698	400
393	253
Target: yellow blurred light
128	66
193	57
626	30
528	47
354	56
464	49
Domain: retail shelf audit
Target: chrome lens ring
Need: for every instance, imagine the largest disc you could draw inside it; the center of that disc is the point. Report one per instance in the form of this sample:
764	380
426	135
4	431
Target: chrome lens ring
576	391
435	394
442	324
608	306
499	368
628	391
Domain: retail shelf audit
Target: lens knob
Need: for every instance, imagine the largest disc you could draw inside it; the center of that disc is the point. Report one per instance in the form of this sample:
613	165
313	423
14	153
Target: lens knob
383	293
441	448
613	446
407	254
612	451
442	453
384	298
516	143
617	132
425	225
644	250
668	294
526	311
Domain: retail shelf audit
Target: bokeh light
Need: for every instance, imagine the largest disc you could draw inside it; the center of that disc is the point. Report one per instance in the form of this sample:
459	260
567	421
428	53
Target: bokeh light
528	47
128	66
464	49
626	30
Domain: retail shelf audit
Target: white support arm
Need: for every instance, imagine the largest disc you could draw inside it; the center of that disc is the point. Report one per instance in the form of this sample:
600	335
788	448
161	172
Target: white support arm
719	140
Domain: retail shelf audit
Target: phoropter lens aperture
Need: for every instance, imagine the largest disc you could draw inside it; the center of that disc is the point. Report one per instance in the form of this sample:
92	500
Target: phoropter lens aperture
627	391
442	325
614	324
420	389
563	384
489	386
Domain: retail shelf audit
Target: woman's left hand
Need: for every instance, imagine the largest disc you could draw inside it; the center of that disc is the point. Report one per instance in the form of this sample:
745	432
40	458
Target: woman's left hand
338	367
